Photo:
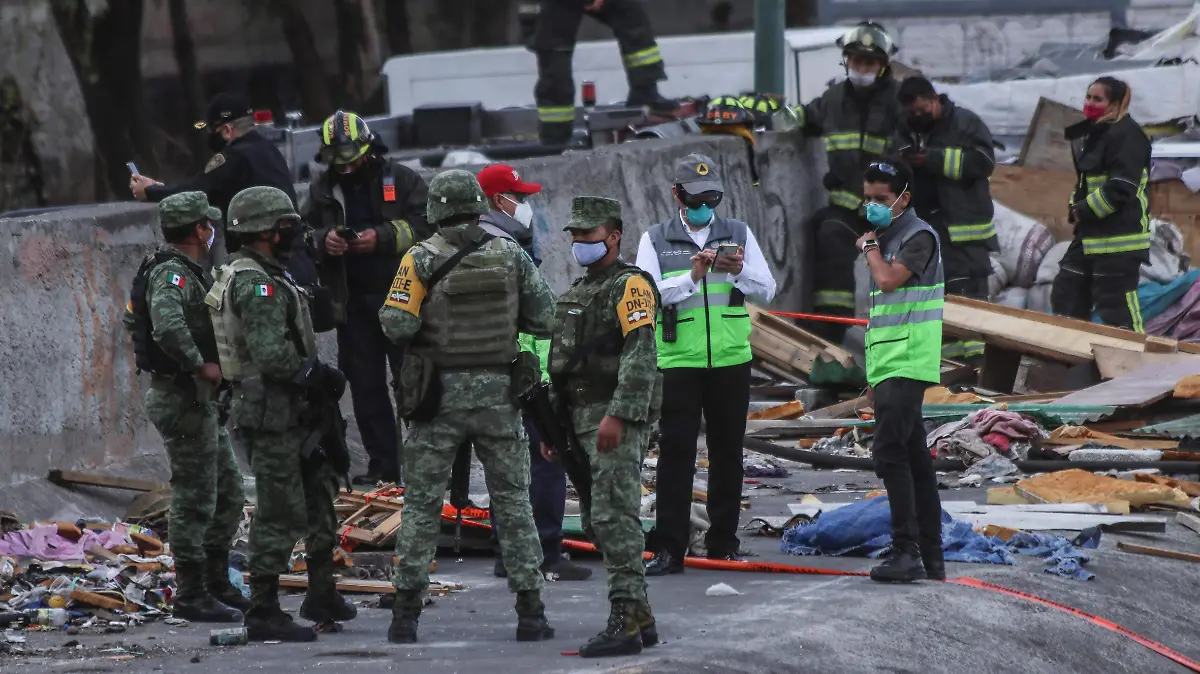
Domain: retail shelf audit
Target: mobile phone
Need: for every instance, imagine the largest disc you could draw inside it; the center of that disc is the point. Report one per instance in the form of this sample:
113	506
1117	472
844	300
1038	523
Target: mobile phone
132	169
346	233
727	249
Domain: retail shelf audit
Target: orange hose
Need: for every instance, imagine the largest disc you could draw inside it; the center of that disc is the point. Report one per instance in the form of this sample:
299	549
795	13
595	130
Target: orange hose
820	317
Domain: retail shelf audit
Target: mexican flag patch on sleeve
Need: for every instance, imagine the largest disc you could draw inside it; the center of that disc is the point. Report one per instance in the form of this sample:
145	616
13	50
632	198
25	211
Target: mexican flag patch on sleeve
264	290
177	280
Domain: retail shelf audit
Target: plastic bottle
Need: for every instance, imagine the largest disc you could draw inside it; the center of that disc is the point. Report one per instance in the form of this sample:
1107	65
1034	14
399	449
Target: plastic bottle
48	617
8	570
236	636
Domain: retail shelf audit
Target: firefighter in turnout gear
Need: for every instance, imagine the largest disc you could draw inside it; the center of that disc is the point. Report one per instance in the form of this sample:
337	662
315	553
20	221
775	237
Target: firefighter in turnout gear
950	152
1110	211
856	118
554	24
268	350
173	340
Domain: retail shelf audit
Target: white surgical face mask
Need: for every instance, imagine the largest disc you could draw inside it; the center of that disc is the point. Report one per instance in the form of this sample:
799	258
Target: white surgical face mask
862	79
523	214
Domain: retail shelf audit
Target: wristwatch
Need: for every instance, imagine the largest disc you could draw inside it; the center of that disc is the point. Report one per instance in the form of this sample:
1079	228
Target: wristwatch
868	245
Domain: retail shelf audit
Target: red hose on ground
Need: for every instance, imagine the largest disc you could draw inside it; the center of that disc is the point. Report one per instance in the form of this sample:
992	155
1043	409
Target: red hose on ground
820	317
762	567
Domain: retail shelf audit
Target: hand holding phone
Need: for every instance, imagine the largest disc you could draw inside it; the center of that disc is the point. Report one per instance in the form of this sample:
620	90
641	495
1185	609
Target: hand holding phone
728	259
346	233
132	169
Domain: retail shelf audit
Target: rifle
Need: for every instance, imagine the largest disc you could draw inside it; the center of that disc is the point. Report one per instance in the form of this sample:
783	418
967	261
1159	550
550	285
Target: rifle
460	487
553	424
323	387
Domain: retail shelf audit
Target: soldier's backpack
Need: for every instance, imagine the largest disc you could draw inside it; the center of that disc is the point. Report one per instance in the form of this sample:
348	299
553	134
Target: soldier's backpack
147	356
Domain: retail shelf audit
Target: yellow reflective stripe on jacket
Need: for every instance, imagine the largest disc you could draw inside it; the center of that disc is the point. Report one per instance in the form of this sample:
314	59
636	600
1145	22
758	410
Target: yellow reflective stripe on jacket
1135	310
853	140
558	114
845	199
967	233
952	159
404	235
834	298
645	57
1097	245
1099	205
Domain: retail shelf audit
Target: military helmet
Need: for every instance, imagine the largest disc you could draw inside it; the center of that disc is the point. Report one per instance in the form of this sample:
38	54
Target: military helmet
868	39
257	209
344	138
455	192
726	110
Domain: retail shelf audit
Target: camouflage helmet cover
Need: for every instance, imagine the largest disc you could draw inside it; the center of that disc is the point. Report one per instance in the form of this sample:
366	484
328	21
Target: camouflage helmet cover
257	209
455	192
185	209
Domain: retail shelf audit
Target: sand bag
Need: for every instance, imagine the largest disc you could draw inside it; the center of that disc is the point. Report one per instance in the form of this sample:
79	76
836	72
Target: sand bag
1023	243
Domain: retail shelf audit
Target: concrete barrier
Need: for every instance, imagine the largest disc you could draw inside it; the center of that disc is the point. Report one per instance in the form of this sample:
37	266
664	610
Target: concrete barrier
71	398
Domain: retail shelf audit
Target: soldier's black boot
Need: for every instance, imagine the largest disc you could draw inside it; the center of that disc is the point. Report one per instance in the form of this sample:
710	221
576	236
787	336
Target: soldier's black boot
933	559
266	621
323	603
405	612
621	636
216	580
531	617
646	624
194	603
903	565
649	97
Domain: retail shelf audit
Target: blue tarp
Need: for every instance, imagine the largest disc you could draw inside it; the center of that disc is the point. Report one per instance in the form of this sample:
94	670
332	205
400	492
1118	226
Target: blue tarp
864	529
1154	298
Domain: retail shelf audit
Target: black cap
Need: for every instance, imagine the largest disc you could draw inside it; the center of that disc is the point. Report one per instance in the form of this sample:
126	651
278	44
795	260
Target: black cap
224	108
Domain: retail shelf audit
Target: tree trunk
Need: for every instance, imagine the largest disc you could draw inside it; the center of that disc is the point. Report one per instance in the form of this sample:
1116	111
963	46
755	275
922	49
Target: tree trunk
189	75
310	70
358	51
395	16
105	52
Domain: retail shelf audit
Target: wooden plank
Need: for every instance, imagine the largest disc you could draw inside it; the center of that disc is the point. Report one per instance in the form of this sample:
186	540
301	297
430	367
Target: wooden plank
843	410
1145	386
71	477
1186	486
1045	145
1158	552
1000	365
362	586
1033	398
1114	362
101	601
1189	520
789	410
1037	521
1079	435
794	333
387	529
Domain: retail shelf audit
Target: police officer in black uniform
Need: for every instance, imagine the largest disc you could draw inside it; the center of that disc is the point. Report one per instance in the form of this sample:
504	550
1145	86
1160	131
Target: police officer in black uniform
243	158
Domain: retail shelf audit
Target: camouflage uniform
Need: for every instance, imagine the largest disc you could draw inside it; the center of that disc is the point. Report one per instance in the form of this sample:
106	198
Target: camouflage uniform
477	401
265	338
206	483
612	310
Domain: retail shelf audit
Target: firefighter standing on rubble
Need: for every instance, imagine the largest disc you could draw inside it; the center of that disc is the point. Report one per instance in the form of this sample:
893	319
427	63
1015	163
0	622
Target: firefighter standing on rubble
857	119
367	211
267	348
603	359
458	303
173	340
951	155
551	27
1110	211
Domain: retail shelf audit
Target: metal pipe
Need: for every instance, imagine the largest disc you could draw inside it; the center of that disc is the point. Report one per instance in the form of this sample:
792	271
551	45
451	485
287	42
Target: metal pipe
768	46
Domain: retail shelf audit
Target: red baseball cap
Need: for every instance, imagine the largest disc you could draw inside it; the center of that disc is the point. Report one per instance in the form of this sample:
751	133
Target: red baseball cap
501	178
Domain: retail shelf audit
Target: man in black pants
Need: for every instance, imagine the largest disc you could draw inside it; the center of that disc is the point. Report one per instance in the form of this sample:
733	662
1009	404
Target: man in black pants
903	348
705	266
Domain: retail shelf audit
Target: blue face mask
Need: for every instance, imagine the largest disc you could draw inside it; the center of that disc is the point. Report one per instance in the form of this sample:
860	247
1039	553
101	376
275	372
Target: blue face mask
699	216
880	215
589	252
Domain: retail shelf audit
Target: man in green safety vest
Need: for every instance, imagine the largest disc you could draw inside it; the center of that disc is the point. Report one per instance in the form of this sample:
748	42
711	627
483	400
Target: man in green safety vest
903	349
705	265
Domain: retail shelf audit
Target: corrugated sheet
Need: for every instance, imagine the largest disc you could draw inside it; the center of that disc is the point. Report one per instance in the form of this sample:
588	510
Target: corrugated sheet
1054	414
1186	427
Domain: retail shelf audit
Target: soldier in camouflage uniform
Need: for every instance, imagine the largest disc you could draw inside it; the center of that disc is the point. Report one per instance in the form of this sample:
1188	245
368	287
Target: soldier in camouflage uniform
173	340
267	346
604	360
459	384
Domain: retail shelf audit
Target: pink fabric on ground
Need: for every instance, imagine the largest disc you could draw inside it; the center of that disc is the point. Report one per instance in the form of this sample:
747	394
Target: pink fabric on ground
1015	426
43	542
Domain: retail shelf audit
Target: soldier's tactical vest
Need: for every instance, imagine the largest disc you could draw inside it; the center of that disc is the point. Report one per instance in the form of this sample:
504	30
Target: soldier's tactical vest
236	364
147	356
469	319
712	326
904	331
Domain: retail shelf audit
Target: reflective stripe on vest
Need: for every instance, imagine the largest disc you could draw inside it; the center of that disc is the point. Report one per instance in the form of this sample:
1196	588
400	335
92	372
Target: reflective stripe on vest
845	199
968	233
904	331
709	331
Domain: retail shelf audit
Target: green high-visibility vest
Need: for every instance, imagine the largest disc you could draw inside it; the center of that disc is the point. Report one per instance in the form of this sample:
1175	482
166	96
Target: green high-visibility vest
904	329
712	327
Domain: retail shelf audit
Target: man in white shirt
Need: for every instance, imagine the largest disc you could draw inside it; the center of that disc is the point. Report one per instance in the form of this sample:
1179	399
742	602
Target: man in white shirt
705	265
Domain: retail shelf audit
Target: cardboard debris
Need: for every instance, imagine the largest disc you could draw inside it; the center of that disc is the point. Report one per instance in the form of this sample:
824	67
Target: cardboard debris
1186	486
1078	435
789	410
1188	387
1003	533
1080	486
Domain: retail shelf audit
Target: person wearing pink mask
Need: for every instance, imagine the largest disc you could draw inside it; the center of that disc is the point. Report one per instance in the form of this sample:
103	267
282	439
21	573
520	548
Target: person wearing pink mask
1109	209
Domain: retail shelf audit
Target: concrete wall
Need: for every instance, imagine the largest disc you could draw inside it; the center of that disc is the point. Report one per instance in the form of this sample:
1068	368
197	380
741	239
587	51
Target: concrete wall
71	398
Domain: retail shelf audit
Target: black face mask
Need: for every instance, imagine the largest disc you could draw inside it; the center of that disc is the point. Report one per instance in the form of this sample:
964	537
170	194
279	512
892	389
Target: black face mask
216	142
283	249
921	122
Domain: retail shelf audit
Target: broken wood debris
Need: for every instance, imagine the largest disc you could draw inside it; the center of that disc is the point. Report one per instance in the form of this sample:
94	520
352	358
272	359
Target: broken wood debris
792	352
436	588
69	477
1157	552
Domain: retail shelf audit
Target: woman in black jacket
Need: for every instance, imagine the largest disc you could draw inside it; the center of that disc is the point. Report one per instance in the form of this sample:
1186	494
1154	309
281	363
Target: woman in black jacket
1109	209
